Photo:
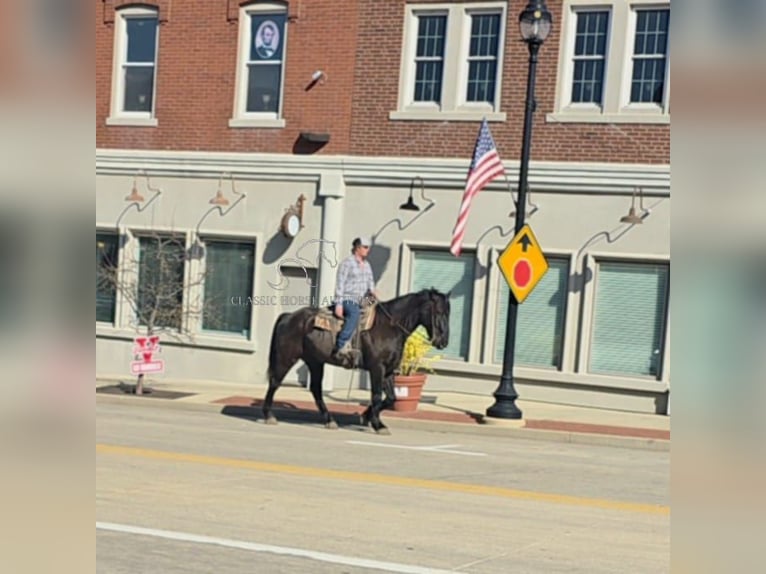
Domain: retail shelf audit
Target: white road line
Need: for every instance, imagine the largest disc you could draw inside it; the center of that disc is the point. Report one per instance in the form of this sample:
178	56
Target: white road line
283	550
445	448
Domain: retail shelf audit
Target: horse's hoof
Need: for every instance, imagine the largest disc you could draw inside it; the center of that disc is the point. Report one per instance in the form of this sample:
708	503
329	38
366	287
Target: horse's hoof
331	425
270	420
383	431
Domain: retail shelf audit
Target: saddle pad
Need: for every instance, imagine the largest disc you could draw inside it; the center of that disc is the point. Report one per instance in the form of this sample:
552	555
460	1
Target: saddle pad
327	321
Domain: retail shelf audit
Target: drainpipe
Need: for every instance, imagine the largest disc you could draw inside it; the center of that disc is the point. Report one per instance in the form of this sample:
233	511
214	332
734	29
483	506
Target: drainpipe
332	190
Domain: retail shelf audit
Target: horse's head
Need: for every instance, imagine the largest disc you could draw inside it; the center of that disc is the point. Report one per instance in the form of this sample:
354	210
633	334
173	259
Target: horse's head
434	316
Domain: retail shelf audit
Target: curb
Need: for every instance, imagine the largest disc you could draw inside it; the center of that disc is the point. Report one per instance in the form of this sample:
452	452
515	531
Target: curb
490	430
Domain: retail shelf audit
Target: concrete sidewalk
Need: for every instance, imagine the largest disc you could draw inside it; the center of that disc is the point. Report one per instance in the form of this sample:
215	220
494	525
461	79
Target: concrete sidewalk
438	411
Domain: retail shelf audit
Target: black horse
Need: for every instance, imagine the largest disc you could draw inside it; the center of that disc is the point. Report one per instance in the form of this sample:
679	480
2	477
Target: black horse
295	337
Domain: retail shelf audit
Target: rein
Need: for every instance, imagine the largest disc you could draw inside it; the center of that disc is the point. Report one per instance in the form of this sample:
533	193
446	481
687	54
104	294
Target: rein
394	321
397	324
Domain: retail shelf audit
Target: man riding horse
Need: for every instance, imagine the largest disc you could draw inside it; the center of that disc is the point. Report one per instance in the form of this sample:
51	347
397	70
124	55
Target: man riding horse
308	334
354	283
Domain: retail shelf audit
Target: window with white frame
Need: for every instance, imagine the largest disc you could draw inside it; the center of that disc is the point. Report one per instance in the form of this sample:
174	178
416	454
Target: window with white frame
589	58
258	97
452	61
541	319
614	62
161	265
106	276
429	58
650	52
228	287
135	66
629	318
447	273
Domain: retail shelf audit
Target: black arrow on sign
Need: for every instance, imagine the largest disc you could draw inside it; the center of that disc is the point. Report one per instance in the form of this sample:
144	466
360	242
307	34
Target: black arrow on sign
525	242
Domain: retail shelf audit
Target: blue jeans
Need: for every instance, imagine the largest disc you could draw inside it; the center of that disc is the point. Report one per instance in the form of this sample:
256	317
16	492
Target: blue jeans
351	313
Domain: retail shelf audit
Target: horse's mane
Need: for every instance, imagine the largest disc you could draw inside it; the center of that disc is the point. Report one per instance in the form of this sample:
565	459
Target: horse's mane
398	303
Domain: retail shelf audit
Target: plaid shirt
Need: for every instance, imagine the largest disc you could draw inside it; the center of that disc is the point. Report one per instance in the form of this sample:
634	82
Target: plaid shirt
354	281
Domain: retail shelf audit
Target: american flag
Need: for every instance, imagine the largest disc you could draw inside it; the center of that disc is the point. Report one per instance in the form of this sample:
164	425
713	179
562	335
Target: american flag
485	167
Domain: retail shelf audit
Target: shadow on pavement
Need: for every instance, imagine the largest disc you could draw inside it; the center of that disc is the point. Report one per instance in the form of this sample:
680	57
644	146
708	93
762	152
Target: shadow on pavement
123	388
290	414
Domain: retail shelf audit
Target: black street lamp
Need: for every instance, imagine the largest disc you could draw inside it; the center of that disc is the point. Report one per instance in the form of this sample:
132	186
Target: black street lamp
535	25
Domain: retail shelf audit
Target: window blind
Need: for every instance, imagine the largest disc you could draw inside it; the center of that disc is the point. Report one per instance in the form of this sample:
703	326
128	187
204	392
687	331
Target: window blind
445	272
629	318
540	322
106	264
228	284
161	280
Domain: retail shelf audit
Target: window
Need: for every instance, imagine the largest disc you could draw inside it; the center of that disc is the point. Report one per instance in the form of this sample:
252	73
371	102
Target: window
445	272
649	55
614	63
429	58
260	72
590	56
452	62
482	58
135	67
228	285
161	282
106	278
629	319
540	321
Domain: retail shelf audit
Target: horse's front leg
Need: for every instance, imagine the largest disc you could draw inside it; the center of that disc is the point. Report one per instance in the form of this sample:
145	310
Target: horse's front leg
372	415
388	389
316	371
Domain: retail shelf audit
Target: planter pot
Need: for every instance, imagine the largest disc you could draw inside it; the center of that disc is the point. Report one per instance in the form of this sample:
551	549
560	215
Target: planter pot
407	390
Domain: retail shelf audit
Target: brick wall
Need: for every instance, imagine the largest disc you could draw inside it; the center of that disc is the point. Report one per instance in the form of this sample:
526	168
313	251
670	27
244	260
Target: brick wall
381	31
196	81
197	59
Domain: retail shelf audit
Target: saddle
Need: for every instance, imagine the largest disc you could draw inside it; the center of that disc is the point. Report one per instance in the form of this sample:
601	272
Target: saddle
326	320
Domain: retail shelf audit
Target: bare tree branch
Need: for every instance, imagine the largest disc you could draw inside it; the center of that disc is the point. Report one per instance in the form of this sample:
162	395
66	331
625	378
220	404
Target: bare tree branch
163	299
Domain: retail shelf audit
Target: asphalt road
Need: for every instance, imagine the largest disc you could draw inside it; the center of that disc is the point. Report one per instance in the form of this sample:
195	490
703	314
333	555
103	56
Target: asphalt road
185	491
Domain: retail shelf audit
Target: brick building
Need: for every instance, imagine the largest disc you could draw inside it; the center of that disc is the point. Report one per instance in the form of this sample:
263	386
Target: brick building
341	111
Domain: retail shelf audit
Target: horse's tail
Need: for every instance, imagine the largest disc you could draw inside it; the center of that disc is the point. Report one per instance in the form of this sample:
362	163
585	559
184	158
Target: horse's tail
274	344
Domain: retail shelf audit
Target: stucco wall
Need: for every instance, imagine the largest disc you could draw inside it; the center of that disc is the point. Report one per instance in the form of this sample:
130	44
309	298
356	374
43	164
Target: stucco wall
577	216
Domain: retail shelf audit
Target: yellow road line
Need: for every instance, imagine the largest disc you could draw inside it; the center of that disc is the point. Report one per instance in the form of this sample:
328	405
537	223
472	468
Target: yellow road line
389	480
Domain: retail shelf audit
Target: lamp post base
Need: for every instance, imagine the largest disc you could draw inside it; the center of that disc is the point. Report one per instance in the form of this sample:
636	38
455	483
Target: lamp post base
504	407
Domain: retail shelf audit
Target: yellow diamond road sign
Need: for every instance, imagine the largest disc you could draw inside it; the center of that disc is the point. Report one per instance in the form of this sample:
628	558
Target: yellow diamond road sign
523	263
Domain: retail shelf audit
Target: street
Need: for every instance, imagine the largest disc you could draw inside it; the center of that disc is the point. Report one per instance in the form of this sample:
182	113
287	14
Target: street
200	492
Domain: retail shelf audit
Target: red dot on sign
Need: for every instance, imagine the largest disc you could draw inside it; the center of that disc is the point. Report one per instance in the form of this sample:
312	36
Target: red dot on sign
522	273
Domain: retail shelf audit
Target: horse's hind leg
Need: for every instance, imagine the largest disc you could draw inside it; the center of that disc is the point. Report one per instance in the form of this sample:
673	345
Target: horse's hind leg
316	371
275	381
268	416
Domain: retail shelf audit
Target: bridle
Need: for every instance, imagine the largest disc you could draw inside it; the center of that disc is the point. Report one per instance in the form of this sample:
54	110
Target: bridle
399	325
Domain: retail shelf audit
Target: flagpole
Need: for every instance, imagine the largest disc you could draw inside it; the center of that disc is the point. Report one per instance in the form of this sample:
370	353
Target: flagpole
506	395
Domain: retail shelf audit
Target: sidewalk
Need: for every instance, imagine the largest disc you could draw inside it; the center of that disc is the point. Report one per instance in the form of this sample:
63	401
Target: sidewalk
439	411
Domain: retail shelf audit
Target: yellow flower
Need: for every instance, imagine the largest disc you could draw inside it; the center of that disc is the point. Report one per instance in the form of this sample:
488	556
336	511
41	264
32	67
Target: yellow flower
414	357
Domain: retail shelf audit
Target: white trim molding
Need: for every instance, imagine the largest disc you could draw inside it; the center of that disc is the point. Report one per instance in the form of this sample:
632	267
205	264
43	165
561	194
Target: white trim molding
446	173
